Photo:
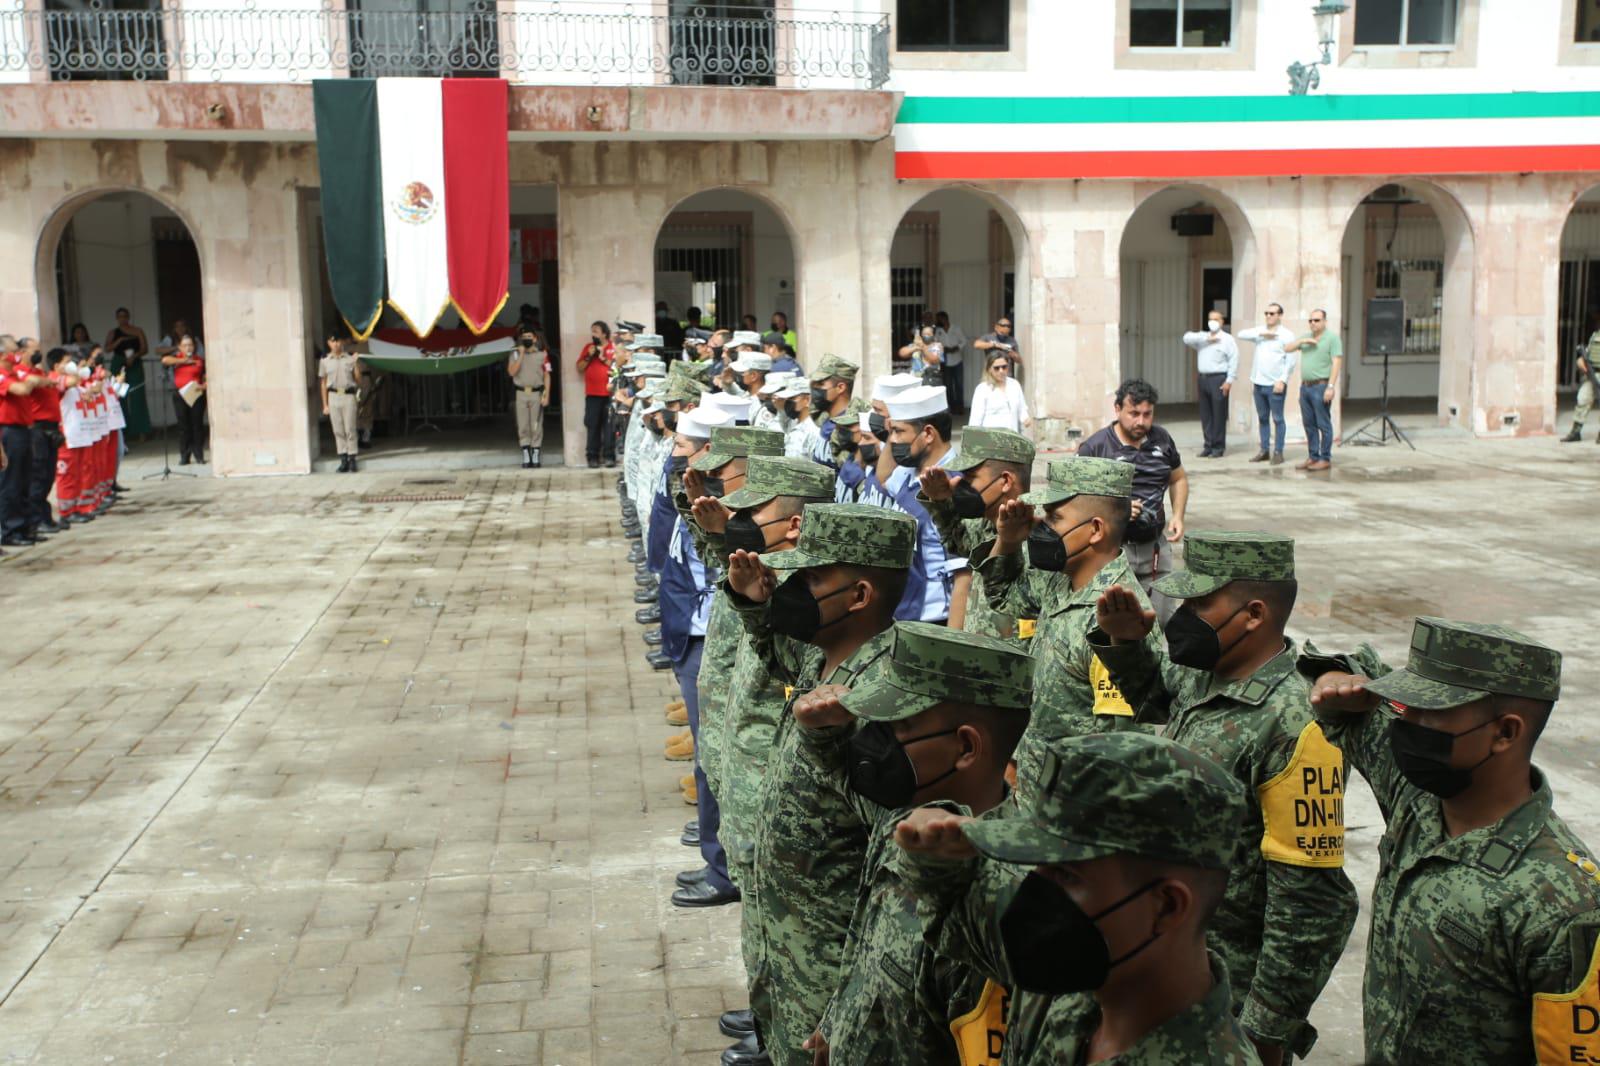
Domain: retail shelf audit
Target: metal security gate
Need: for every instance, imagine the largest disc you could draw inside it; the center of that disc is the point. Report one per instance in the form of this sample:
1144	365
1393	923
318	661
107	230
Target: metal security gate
723	44
714	252
1155	315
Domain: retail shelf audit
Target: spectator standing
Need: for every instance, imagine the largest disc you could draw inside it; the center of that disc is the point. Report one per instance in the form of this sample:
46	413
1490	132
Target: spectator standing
188	368
955	343
926	354
595	362
45	439
169	343
1133	437
81	344
1217	361
1321	361
780	324
1002	339
126	346
998	402
1269	380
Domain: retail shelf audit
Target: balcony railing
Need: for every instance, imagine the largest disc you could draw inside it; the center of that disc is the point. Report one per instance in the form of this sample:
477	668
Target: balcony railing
600	43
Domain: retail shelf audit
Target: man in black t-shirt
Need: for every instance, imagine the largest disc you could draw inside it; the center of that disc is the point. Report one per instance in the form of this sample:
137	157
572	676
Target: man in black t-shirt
1152	537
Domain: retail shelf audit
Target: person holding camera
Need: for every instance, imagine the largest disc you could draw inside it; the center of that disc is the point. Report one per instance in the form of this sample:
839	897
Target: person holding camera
529	368
926	354
1133	437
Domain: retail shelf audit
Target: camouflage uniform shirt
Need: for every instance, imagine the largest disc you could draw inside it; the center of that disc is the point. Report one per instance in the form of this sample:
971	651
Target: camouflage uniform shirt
1073	693
1467	930
963	538
1283	923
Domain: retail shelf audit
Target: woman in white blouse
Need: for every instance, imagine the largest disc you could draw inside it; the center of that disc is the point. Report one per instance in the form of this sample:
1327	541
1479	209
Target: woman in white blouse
997	402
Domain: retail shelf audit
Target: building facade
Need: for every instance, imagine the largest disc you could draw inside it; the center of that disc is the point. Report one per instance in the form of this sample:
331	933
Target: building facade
1105	173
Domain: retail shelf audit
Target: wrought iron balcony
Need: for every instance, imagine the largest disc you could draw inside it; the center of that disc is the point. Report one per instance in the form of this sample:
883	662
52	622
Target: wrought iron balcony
543	41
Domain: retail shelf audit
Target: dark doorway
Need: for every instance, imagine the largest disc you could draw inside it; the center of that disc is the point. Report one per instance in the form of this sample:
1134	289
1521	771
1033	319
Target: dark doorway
177	275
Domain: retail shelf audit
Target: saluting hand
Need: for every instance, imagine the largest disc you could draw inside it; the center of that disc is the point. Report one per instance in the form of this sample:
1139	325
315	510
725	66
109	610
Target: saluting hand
1339	691
822	708
936	484
709	514
1012	526
694	483
750	577
935	833
1122	617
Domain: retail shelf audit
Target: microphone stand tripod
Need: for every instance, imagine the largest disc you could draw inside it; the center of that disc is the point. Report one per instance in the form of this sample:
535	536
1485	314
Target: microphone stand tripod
166	464
1385	424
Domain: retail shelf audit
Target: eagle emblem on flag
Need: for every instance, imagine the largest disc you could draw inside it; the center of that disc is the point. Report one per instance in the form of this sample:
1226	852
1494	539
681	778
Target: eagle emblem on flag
415	203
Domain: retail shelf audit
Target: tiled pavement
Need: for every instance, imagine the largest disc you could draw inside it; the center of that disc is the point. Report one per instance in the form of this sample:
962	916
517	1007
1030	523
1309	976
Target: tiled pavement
289	777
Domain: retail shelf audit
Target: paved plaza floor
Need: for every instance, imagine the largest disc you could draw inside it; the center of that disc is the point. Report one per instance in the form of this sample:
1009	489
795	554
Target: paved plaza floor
366	769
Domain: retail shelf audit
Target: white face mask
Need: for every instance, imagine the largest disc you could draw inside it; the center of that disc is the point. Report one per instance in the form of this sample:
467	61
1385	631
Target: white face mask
1214	326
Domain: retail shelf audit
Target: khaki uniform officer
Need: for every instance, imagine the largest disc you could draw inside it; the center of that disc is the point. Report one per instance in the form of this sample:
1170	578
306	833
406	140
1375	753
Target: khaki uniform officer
340	372
529	368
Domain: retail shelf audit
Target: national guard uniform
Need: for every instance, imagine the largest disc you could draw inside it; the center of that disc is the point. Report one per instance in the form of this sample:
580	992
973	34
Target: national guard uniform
339	374
1289	907
905	999
1483	945
1105	794
810	843
1075	694
1588	367
801	438
529	382
755	704
971	538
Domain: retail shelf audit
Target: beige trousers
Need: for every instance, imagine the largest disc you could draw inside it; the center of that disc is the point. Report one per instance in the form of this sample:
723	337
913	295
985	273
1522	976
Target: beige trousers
530	419
342	413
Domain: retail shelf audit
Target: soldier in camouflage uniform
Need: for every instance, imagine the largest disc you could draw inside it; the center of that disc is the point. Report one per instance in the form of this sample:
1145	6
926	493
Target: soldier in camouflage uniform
827	622
940	723
1229	691
997	465
1130	844
833	385
1588	366
1072	556
1486	911
766	515
710	476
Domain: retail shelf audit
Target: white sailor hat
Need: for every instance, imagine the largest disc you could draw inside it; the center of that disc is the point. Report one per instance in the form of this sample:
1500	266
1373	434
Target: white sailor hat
890	385
923	401
737	406
748	361
697	423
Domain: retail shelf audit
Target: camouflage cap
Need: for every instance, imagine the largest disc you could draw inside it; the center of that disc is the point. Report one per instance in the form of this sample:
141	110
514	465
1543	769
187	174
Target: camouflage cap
1214	559
928	665
1081	475
856	533
979	445
682	390
1452	663
770	477
698	371
1125	793
736	442
834	367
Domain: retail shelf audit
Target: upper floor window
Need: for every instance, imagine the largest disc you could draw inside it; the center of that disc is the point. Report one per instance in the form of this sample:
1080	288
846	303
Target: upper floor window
1588	28
1405	23
1180	23
953	25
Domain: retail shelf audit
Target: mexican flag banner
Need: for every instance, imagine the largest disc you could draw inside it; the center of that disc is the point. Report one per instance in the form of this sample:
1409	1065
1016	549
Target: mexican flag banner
415	198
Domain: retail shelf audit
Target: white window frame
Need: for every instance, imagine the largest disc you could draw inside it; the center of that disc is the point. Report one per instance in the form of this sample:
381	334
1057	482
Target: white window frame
1169	49
1405	23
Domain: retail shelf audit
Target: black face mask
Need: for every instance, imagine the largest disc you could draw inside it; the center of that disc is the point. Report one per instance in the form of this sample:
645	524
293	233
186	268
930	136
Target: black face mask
1192	642
791	410
669	419
879	426
881	771
655	429
1047	550
869	454
677	464
715	487
819	399
968	501
772	408
904	456
797	613
744	533
1052	946
1423	756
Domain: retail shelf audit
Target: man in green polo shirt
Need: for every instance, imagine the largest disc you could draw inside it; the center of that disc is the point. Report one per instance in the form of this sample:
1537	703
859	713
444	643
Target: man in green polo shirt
1321	361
